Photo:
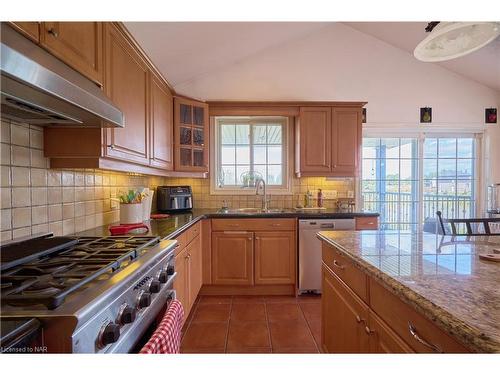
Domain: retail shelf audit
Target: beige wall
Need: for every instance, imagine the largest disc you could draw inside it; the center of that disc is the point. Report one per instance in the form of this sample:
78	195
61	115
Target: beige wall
37	199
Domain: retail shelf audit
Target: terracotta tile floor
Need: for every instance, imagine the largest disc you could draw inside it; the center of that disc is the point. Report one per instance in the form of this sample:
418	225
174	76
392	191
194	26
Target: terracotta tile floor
253	324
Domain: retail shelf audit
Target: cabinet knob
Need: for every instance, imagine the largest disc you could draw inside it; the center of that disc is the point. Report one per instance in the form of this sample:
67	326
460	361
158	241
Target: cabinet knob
53	32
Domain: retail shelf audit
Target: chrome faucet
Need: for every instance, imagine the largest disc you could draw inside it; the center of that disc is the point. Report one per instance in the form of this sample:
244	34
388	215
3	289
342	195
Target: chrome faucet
259	182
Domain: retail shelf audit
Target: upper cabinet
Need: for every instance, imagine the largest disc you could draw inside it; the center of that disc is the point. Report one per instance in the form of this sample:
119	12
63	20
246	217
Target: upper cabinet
162	125
126	84
28	29
191	135
328	141
78	44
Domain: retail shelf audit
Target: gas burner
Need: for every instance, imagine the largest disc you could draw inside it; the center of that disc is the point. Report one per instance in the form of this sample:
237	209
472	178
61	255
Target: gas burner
51	278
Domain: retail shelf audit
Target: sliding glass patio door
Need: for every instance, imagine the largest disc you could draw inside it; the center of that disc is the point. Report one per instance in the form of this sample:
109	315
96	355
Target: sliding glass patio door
408	179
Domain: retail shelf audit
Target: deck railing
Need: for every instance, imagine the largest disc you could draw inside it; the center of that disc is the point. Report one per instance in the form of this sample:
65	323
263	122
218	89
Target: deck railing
388	205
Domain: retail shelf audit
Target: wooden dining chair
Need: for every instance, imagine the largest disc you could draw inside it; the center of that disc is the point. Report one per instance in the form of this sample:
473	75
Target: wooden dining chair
472	226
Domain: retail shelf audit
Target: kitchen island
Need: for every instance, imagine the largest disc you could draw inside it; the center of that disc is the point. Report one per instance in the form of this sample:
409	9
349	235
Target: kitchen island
440	281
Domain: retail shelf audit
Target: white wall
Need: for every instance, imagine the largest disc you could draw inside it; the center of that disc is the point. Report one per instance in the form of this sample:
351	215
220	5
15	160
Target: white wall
341	63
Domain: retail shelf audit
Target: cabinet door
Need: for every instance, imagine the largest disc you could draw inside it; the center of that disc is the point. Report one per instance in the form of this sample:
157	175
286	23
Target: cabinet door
162	127
127	87
346	141
344	318
181	282
78	44
275	257
28	29
191	126
383	339
315	138
195	271
232	258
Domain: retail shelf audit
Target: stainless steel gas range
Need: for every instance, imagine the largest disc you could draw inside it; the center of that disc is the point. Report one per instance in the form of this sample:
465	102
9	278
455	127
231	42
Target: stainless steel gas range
90	294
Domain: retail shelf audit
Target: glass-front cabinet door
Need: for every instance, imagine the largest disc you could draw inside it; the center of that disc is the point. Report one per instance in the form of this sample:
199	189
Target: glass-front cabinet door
191	135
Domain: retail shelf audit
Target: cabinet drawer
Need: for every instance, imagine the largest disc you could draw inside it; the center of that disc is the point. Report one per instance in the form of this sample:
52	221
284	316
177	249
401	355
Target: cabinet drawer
193	231
418	332
344	268
182	241
253	224
370	222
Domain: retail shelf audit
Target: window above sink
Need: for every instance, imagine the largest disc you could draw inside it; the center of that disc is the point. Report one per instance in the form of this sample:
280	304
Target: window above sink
247	149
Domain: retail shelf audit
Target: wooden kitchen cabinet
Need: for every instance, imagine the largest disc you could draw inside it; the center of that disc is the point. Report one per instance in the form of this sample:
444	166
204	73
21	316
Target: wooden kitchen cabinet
181	281
275	257
366	222
195	269
346	141
188	265
126	84
191	126
343	317
78	44
315	137
378	323
162	127
232	258
383	339
329	141
28	29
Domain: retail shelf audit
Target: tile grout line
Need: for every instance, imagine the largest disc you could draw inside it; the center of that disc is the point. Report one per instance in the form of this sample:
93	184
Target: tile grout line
309	328
268	327
228	324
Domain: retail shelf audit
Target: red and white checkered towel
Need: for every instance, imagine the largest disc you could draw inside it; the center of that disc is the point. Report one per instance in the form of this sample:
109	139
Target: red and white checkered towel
167	337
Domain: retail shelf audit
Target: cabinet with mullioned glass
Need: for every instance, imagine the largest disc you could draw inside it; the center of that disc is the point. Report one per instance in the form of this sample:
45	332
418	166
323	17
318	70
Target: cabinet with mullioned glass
191	135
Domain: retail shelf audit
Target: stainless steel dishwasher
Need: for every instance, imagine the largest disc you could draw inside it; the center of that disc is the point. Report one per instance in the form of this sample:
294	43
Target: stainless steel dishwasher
310	250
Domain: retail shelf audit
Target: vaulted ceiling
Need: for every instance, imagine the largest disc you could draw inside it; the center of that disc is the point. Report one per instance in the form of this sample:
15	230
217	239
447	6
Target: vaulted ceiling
188	52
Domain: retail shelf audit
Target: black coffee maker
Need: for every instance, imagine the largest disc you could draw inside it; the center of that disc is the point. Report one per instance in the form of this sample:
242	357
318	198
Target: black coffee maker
173	199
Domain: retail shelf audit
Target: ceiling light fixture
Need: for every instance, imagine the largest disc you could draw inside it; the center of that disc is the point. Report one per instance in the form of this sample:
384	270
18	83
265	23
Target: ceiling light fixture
449	40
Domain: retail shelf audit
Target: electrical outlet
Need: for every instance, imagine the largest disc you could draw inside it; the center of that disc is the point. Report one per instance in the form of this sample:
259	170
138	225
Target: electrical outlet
350	194
329	194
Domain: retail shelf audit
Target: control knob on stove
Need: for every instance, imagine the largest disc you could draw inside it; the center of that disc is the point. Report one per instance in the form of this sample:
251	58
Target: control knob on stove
109	334
163	277
126	315
170	270
154	286
143	300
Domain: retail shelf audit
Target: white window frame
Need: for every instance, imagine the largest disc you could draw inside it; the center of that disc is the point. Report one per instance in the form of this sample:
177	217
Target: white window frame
429	132
287	157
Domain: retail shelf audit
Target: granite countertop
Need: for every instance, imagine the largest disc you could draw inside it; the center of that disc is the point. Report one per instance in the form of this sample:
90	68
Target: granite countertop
441	277
176	223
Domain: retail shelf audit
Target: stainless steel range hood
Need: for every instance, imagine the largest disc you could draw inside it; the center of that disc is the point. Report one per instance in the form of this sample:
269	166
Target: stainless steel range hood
37	88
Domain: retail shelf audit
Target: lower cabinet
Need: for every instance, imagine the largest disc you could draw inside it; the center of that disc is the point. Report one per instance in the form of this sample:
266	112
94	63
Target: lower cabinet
261	253
275	257
343	318
383	339
382	324
232	258
188	263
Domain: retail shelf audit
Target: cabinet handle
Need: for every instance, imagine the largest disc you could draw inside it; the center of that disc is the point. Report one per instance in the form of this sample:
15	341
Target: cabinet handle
235	232
53	32
338	265
414	334
368	330
275	225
